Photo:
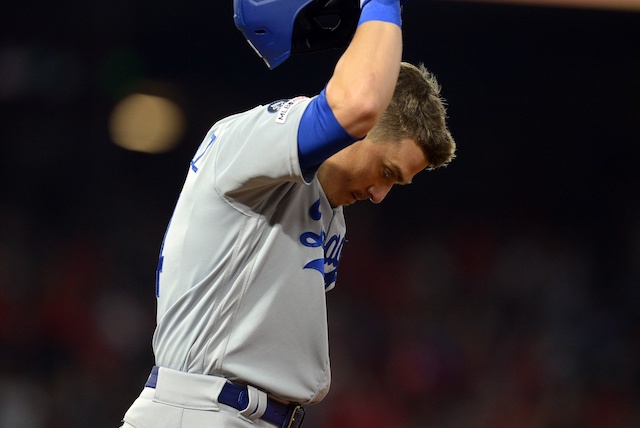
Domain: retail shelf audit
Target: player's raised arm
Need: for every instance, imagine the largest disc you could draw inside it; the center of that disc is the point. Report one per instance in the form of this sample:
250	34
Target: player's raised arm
360	89
365	77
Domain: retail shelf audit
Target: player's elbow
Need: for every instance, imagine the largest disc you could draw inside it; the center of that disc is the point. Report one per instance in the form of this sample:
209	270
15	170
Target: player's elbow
358	111
364	115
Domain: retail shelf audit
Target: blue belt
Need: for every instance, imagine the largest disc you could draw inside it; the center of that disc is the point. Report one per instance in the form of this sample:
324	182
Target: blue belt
236	396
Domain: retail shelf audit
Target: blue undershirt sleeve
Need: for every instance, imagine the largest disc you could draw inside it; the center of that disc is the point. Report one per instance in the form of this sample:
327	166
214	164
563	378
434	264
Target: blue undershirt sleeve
320	135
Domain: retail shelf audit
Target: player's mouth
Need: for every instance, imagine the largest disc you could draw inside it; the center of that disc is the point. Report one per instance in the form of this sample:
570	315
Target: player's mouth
357	197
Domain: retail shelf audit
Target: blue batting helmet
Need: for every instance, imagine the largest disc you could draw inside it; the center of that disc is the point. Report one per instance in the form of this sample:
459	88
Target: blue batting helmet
277	29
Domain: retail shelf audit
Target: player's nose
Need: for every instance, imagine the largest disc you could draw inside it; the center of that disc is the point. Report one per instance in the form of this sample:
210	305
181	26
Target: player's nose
378	192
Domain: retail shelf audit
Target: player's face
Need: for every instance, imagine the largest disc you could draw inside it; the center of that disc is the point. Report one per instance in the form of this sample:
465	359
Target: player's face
368	170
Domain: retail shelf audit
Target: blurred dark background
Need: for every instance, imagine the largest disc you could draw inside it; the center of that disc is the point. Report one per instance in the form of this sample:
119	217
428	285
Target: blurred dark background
502	291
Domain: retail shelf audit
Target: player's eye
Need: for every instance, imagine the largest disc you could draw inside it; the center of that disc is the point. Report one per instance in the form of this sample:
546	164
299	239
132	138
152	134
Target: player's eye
387	173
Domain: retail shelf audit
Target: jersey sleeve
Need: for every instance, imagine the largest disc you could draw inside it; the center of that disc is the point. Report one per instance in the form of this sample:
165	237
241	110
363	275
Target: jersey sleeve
249	154
256	150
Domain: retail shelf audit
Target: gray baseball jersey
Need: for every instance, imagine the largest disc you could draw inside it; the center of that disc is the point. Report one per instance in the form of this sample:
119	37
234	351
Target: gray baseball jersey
250	250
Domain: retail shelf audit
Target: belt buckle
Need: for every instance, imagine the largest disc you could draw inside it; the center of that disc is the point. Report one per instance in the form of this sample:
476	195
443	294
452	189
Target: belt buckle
295	416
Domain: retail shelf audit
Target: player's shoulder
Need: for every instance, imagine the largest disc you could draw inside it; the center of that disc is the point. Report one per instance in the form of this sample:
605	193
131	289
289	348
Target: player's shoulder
283	107
265	116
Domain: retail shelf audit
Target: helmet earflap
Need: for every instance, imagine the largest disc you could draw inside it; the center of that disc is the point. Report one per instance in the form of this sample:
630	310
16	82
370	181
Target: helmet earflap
325	24
277	29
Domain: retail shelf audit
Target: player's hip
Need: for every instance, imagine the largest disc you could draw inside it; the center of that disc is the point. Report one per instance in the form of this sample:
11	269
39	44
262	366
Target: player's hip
146	412
173	399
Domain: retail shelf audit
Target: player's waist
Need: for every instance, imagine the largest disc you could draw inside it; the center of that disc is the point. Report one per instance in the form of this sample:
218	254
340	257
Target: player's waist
204	392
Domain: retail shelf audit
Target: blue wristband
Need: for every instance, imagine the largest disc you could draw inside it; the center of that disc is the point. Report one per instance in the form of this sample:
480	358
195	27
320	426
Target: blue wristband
381	10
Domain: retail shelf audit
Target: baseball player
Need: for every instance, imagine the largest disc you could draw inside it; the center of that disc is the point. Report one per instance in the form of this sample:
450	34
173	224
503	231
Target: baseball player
257	233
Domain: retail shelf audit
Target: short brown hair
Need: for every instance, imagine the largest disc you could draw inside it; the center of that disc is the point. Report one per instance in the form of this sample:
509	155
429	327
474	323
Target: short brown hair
418	111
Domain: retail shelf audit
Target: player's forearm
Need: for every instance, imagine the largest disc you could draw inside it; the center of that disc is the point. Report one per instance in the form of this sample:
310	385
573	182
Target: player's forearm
365	77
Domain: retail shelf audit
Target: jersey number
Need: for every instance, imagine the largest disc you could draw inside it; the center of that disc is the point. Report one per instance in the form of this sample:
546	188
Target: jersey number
194	167
201	152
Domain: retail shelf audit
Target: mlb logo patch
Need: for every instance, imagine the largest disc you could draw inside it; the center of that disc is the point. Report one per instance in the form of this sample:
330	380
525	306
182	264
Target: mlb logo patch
285	108
275	106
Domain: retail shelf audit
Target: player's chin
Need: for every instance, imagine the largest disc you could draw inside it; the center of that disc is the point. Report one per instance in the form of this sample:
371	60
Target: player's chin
346	200
351	199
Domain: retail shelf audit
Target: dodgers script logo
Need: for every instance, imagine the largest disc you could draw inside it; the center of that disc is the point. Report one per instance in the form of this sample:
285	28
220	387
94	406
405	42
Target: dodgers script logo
332	248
